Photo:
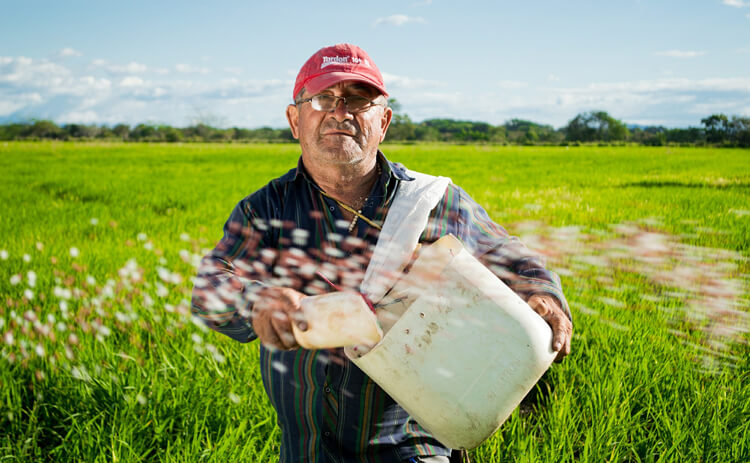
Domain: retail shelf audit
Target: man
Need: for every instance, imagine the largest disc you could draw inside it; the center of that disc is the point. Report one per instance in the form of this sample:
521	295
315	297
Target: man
315	227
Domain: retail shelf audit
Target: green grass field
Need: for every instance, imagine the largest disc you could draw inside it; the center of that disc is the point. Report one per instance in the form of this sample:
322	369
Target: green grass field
102	362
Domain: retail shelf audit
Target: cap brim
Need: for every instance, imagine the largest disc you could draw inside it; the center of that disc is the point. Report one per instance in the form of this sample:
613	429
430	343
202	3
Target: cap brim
319	83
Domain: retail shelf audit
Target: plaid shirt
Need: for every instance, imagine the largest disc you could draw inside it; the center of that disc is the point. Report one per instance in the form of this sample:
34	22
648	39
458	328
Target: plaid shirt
282	235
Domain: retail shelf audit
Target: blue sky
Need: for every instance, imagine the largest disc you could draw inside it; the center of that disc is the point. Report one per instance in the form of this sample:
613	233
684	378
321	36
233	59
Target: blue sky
231	63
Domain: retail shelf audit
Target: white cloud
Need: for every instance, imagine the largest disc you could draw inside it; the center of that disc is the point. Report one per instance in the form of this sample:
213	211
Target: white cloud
132	67
680	53
13	103
552	78
79	117
98	84
42	88
233	70
398	20
736	3
66	52
132	81
671	102
422	3
187	69
512	84
393	81
738	84
29	73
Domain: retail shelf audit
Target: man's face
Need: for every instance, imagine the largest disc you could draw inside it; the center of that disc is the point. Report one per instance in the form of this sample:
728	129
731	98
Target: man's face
339	137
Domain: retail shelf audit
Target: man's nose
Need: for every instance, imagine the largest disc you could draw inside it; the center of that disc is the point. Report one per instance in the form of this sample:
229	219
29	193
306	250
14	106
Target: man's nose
340	113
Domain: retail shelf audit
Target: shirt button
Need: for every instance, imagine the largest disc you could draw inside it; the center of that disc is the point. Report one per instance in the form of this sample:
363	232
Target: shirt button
327	433
328	390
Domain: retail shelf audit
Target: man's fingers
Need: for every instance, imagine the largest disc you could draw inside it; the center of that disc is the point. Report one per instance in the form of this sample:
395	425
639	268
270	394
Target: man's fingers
562	328
562	331
298	318
282	327
274	312
270	339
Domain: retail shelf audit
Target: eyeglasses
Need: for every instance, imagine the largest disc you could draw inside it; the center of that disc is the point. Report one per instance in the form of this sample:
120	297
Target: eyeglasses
328	103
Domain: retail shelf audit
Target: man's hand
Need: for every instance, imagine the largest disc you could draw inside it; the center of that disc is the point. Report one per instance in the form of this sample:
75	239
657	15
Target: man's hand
562	329
273	314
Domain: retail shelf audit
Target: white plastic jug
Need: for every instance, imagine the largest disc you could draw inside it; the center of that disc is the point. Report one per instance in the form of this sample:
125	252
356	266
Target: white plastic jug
336	320
460	349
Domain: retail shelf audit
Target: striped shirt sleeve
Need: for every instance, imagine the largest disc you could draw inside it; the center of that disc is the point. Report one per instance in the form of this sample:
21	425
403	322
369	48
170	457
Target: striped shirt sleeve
225	287
506	256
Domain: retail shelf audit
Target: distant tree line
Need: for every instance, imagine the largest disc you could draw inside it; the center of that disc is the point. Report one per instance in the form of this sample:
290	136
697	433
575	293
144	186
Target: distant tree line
48	130
589	127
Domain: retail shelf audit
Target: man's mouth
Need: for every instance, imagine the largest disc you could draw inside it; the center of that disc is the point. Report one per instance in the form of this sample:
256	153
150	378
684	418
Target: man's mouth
338	132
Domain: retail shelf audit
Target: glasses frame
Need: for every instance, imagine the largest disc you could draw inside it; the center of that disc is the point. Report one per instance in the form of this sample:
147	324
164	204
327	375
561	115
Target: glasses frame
336	102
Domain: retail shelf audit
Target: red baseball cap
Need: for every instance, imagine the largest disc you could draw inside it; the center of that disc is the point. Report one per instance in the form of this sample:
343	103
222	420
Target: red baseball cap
331	65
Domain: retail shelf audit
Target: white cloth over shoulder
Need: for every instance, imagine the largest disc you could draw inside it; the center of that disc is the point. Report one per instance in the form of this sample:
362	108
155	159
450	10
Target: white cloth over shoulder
404	224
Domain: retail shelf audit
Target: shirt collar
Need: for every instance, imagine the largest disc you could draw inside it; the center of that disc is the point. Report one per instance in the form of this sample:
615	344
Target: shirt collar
388	168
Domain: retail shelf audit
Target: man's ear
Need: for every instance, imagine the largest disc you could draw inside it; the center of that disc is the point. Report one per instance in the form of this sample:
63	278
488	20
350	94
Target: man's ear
385	121
292	116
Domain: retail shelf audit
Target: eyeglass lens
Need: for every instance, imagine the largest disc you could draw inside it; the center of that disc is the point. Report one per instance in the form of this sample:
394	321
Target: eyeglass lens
354	103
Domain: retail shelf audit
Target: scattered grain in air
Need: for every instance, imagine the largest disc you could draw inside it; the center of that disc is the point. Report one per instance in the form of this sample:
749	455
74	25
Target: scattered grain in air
142	237
335	237
184	237
31	278
141	399
342	224
8	338
3	254
444	372
234	397
161	290
94	221
148	246
26	258
28	294
39	246
612	302
15	279
74	252
39	350
278	366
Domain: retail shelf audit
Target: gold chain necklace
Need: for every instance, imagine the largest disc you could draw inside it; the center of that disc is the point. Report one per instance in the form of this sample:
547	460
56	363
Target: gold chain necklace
357	213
